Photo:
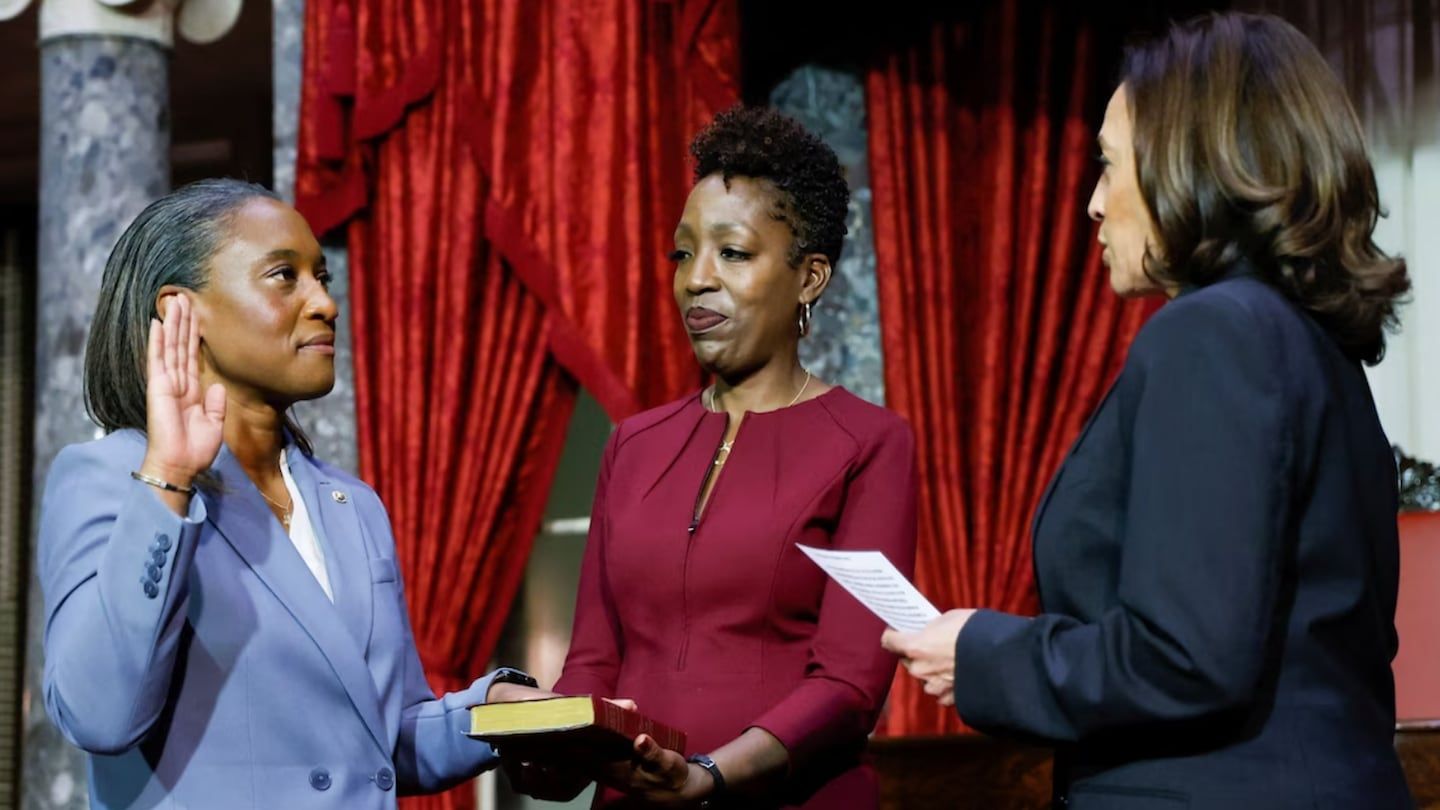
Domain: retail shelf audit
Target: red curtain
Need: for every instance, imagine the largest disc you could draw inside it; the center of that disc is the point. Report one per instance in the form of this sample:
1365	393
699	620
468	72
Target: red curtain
508	173
998	326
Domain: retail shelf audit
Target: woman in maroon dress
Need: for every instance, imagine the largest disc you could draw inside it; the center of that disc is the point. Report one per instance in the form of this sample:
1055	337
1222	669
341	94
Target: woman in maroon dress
694	599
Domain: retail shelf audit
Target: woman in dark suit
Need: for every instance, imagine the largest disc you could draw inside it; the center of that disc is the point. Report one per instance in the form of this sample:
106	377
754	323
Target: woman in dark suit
1217	558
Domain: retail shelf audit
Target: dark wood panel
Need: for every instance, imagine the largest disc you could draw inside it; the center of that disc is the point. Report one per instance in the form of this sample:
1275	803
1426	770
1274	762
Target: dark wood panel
1420	754
963	773
980	773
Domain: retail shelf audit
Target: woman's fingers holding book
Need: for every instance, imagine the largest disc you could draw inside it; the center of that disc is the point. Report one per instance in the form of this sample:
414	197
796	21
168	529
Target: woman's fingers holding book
663	768
624	703
659	776
651	767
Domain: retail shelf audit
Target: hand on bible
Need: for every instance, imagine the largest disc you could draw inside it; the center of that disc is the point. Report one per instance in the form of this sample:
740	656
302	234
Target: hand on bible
552	780
928	654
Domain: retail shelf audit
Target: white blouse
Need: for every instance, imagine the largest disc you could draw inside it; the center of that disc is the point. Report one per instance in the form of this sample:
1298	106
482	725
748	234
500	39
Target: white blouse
302	531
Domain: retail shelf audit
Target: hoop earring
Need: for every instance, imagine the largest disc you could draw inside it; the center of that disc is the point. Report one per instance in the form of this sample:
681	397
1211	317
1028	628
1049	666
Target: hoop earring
805	319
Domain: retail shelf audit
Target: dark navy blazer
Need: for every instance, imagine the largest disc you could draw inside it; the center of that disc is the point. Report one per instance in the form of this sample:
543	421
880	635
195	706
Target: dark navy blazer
1217	563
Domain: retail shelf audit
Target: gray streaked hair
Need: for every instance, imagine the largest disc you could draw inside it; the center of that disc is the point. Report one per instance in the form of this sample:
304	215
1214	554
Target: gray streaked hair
170	243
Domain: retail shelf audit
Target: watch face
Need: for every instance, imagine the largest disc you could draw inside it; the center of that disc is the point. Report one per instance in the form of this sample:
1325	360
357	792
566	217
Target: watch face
515	676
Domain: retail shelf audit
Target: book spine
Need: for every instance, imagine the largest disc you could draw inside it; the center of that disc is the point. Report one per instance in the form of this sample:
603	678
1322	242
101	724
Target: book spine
633	724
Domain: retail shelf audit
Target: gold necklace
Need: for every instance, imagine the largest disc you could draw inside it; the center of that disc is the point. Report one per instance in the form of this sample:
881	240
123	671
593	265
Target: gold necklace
803	386
793	400
286	510
725	447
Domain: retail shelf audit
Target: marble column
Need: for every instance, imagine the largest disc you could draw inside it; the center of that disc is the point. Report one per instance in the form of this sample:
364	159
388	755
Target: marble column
287	51
105	141
330	421
844	342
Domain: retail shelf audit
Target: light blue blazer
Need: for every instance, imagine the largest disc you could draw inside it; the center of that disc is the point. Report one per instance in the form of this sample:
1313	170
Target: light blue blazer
199	662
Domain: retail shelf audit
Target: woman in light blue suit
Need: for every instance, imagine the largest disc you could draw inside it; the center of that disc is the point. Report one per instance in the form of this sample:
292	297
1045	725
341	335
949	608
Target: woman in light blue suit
225	621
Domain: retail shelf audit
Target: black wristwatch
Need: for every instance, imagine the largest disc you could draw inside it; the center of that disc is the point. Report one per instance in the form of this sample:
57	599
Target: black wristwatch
714	770
515	676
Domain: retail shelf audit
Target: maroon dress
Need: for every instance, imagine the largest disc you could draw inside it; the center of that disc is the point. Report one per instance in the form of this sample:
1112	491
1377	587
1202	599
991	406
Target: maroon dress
720	624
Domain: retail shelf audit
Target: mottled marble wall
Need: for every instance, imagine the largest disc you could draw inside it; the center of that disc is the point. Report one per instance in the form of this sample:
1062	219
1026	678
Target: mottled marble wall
287	27
329	421
844	342
105	141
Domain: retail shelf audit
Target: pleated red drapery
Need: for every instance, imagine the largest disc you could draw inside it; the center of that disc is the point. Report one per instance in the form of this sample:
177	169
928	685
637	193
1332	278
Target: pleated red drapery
508	173
999	330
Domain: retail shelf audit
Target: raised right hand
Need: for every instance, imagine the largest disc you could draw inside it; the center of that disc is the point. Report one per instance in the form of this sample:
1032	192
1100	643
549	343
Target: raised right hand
184	429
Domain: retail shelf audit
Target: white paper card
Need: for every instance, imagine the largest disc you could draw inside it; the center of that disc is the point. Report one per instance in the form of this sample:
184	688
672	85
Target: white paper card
878	584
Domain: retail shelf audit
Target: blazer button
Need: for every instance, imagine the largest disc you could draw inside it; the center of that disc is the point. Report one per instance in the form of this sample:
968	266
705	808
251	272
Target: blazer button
162	542
158	558
152	572
385	779
150	590
320	779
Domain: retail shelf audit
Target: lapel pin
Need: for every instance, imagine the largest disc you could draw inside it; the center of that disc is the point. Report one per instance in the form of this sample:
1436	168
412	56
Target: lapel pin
338	496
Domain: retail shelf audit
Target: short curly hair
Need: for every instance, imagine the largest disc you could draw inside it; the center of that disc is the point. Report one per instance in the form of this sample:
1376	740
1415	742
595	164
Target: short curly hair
762	144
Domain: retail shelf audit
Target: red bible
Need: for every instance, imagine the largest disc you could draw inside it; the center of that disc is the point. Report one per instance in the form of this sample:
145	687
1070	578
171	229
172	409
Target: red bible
582	725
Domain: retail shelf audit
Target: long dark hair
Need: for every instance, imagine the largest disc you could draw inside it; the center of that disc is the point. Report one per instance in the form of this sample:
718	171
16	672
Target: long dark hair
170	243
1247	146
